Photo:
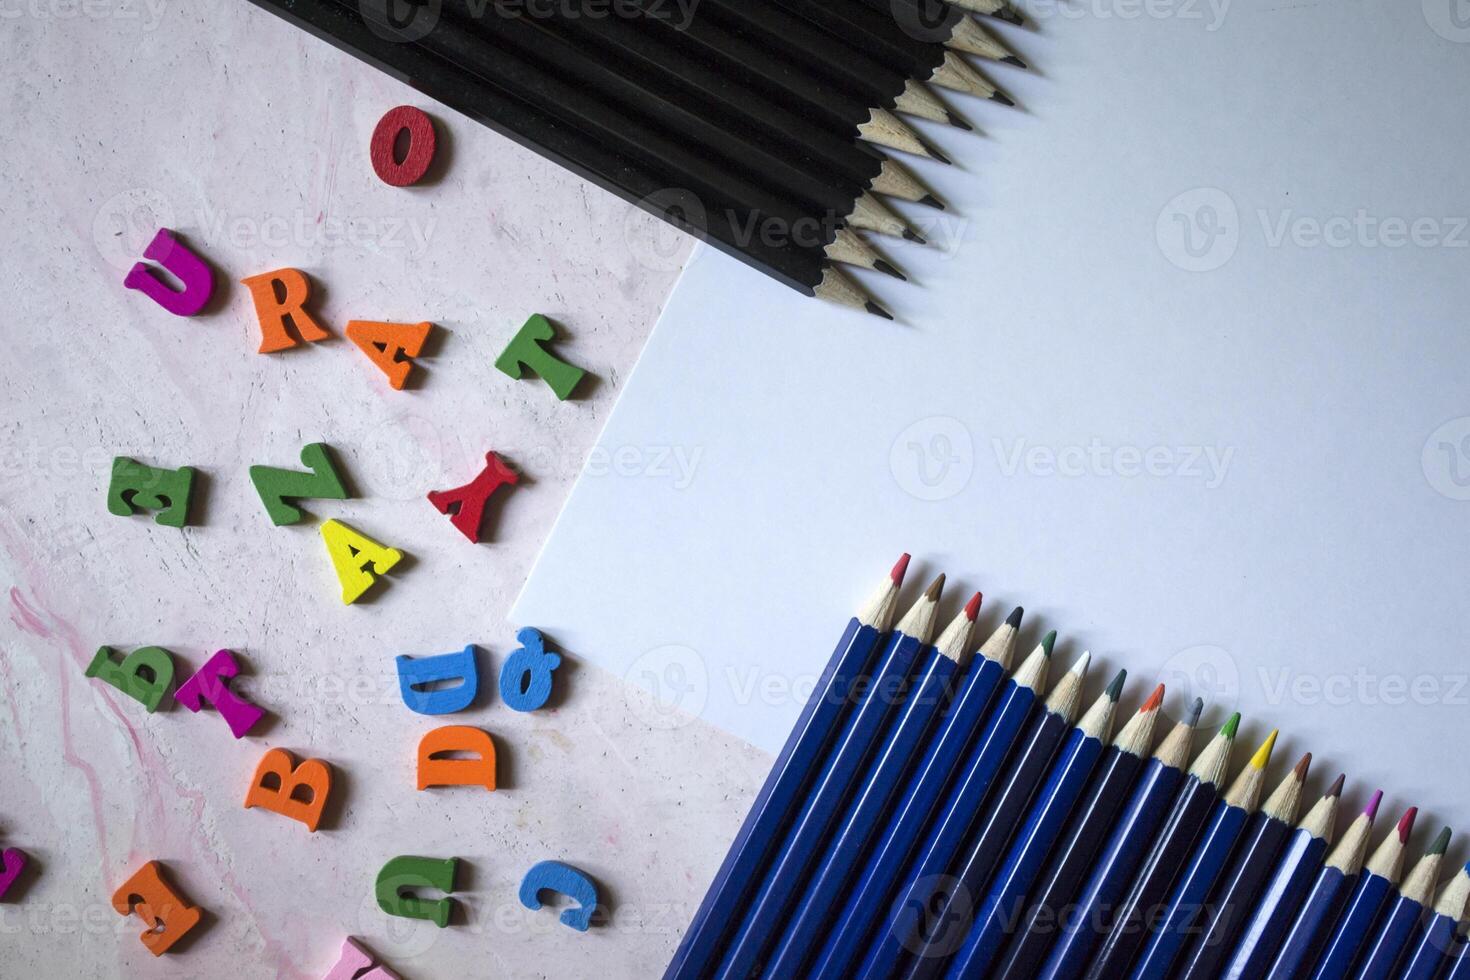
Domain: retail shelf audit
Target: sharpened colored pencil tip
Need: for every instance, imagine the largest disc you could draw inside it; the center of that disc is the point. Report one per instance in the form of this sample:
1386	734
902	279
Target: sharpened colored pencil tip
1406	824
899	568
1154	700
888	270
877	310
1301	768
913	236
1335	790
1048	641
935	588
930	200
1080	665
972	608
1231	726
1262	758
1372	808
1441	843
1114	690
1011	59
958	122
1195	710
1014	619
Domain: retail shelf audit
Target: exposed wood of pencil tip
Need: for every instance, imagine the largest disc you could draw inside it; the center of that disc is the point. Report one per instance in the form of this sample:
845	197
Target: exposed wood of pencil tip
886	129
837	288
850	248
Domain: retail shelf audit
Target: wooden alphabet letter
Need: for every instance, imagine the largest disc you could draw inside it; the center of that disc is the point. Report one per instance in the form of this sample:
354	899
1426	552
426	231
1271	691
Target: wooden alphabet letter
525	351
187	267
167	915
417	674
557	877
299	792
144	675
352	553
211	684
466	504
274	485
404	873
391	346
135	486
478	770
279	296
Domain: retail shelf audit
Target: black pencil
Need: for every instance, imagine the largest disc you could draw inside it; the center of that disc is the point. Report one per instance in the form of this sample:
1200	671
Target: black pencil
790	80
867	30
501	106
935	21
859	67
658	56
765	165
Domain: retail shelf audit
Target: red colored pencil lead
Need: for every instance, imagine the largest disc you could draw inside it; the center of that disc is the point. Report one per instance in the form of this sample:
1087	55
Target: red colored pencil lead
1406	824
1154	700
899	568
972	608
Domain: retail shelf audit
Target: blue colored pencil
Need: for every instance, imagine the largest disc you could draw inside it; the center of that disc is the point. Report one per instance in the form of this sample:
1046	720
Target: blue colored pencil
1053	806
896	758
1322	905
1173	927
1125	874
1459	961
1427	957
829	796
1001	818
1105	879
1402	916
1238	889
1281	896
963	724
1119	777
1380	876
794	771
901	929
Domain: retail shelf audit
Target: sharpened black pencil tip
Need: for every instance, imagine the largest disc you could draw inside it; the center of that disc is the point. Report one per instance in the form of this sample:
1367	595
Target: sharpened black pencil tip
959	122
1011	59
1014	619
938	156
877	310
1010	16
931	201
889	270
1002	98
913	236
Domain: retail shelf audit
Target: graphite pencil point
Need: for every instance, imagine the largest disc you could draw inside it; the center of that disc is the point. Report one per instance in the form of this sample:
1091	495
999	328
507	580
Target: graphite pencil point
1011	59
877	310
930	200
888	270
914	236
957	121
1002	98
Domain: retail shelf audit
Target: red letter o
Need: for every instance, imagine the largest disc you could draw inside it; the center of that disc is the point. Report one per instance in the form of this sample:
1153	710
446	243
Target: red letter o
420	153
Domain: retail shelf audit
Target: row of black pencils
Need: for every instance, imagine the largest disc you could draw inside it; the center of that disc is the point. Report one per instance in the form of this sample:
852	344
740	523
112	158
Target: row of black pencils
933	814
760	126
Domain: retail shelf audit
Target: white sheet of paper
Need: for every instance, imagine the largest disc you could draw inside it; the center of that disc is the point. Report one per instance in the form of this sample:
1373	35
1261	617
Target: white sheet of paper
1187	374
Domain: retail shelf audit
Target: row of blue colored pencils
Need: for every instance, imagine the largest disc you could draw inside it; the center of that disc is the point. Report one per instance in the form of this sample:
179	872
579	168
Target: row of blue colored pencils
937	813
